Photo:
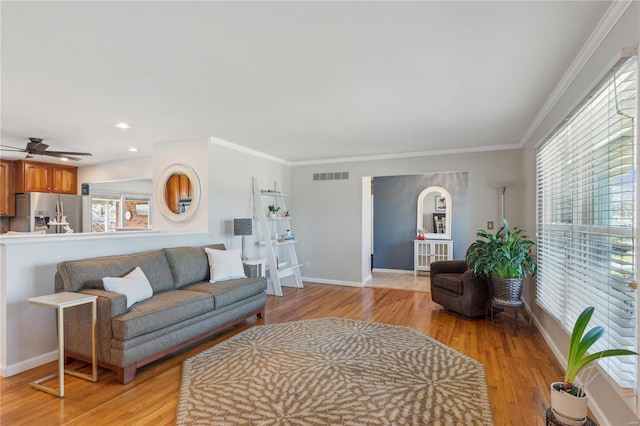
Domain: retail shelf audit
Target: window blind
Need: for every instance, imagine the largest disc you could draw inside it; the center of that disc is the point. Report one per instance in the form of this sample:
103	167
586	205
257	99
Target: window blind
586	217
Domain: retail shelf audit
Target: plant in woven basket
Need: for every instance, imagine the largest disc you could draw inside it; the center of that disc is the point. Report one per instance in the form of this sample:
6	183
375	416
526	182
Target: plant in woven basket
505	254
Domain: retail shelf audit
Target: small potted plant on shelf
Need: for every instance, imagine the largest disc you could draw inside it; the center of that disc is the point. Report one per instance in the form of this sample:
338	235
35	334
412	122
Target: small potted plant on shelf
286	214
273	210
505	258
569	401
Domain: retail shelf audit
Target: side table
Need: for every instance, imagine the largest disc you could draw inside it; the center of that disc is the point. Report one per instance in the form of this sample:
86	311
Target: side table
517	305
60	301
258	263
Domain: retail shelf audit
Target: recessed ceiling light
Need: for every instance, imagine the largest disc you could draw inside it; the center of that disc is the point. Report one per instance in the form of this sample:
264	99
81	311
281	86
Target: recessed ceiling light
64	159
122	126
133	149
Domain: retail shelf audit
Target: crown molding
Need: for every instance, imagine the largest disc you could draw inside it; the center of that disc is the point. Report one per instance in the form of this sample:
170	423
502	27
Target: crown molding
606	24
249	151
406	155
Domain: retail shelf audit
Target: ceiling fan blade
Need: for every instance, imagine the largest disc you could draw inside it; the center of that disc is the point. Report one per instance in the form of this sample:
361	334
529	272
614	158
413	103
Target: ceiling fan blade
69	152
58	155
12	148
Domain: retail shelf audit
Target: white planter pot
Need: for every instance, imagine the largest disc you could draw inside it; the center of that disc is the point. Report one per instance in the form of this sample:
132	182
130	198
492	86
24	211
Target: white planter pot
569	409
271	215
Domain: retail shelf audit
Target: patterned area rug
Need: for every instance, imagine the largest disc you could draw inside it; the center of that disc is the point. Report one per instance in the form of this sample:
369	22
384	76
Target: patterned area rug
333	371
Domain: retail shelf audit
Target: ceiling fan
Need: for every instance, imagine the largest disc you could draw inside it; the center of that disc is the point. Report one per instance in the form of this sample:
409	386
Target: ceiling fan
36	147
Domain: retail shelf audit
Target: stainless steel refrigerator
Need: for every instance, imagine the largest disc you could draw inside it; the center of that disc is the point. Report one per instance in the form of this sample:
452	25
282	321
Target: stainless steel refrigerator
36	211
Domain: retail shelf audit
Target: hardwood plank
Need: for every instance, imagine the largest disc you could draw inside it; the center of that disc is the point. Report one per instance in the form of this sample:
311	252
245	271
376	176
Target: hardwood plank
519	368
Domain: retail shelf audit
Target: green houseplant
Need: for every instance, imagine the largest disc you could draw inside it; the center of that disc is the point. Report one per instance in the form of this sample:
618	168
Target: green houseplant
273	210
505	257
568	401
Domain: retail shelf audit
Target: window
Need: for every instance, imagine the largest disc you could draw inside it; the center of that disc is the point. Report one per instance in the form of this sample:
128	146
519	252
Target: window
586	217
117	212
105	214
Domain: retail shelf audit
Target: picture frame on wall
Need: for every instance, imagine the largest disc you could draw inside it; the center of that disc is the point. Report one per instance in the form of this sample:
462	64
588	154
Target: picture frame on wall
441	204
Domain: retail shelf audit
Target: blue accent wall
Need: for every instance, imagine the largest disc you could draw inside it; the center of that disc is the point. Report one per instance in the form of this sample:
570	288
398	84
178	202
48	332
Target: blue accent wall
395	204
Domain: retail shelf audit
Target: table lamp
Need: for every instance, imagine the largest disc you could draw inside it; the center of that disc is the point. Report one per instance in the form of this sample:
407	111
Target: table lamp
242	227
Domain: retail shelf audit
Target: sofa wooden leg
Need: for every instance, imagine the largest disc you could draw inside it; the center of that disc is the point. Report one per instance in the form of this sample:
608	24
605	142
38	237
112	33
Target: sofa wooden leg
126	374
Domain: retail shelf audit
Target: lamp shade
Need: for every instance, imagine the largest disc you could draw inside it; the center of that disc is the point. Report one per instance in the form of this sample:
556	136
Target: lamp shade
242	226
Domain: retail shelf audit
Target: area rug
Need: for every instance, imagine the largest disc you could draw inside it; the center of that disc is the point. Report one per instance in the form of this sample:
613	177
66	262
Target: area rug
332	371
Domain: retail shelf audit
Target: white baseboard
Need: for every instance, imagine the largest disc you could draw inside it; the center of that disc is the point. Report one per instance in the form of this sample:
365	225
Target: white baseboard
28	364
393	271
335	282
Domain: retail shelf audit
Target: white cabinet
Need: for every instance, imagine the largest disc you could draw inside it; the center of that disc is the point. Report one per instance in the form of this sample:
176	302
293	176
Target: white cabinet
280	251
427	251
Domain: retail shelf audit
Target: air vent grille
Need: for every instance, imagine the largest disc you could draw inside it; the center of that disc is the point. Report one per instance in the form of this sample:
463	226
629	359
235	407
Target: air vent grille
331	176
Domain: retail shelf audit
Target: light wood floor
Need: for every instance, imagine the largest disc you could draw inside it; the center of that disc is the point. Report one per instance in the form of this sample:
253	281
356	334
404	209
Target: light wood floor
519	368
400	281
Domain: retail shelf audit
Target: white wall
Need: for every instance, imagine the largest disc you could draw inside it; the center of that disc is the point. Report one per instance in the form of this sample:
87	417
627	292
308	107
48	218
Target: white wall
230	190
136	168
605	402
331	229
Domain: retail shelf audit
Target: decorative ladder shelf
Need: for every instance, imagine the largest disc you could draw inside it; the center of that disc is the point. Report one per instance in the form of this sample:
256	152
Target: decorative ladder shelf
276	268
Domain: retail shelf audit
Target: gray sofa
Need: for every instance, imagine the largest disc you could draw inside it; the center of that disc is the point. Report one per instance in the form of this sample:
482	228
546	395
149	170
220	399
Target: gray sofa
185	306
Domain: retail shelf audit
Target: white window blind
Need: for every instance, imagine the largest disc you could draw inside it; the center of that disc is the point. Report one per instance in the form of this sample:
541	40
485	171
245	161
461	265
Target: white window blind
586	217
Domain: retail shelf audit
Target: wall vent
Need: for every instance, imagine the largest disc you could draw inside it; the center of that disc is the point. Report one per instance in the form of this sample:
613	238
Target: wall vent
331	176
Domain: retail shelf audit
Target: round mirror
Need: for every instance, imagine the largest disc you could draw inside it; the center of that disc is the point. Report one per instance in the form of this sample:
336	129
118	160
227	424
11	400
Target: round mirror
178	193
434	213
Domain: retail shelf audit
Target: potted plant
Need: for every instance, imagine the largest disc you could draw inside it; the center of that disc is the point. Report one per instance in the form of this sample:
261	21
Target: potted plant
273	210
568	401
505	258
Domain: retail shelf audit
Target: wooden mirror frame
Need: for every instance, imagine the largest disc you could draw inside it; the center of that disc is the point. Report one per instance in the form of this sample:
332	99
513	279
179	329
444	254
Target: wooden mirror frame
195	193
420	222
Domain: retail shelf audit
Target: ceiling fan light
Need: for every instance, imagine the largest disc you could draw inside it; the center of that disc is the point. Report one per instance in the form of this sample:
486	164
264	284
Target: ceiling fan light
122	125
133	149
64	159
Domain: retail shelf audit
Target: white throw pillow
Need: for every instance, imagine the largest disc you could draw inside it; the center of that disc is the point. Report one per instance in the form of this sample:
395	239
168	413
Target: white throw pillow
225	264
134	285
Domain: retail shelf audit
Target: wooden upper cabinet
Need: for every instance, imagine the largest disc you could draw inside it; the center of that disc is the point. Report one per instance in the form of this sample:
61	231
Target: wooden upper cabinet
172	193
45	177
64	179
7	194
185	187
177	189
37	177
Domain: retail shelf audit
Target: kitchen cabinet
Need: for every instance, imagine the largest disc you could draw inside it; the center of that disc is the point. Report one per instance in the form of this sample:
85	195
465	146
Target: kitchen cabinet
7	194
46	177
185	187
177	189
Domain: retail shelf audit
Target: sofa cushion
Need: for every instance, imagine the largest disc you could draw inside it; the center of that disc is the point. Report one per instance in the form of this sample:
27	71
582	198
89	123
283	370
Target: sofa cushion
225	264
227	292
163	309
449	282
188	265
134	285
88	273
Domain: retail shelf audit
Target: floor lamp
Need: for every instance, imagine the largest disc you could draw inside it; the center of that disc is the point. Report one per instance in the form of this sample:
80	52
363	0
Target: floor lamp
242	227
503	189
